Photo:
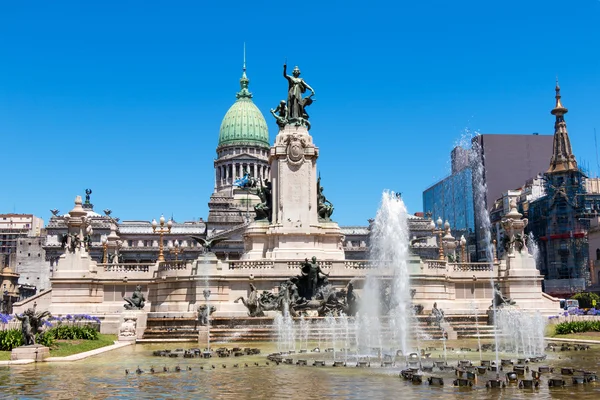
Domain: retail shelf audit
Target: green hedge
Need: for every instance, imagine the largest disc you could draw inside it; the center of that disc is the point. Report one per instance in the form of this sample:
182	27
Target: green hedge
565	328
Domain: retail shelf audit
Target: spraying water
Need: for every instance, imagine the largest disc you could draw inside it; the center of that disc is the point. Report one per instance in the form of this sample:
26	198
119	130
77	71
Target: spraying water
522	332
389	250
483	218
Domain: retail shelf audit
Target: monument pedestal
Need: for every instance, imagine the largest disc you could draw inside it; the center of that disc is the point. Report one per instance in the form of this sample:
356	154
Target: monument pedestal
295	231
203	335
133	325
35	352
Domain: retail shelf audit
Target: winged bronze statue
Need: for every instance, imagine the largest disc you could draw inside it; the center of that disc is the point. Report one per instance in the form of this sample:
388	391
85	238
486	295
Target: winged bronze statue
207	244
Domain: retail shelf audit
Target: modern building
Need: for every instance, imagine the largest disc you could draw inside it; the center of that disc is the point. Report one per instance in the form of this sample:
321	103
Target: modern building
452	200
494	164
560	220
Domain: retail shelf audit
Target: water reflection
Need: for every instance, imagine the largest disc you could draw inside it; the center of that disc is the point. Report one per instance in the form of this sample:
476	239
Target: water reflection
103	377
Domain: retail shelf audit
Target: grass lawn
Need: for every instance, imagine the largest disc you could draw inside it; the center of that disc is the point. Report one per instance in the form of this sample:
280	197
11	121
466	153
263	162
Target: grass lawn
62	348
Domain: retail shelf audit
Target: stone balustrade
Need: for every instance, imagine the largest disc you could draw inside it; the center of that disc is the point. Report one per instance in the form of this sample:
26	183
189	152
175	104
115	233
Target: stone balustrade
125	267
298	264
437	265
472	267
251	265
358	264
173	265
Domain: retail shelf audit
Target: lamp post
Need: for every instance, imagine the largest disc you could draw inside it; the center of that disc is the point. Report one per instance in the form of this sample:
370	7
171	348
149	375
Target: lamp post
175	248
463	244
438	230
105	249
161	231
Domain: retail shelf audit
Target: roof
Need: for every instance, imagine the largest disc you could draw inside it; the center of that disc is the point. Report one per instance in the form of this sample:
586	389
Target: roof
243	123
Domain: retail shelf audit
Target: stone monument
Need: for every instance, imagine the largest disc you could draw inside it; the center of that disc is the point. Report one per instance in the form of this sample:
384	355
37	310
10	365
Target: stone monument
294	217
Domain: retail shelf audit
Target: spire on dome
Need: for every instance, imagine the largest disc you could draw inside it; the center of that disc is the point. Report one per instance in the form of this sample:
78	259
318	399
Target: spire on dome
562	154
244	81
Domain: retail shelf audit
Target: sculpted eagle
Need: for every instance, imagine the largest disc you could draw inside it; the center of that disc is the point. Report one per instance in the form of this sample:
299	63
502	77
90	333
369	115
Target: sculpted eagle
207	244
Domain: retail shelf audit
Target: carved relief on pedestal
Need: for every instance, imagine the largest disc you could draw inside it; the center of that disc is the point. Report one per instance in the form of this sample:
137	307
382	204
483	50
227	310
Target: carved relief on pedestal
295	149
128	327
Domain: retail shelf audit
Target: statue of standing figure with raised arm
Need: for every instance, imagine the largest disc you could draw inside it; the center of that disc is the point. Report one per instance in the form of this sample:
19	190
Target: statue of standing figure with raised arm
295	103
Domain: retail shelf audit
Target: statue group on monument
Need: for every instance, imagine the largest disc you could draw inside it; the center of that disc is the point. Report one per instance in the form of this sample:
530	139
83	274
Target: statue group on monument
264	209
324	206
294	110
309	291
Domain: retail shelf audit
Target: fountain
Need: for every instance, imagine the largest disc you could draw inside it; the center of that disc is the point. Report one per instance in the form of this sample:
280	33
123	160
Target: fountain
474	309
479	200
206	293
389	252
522	333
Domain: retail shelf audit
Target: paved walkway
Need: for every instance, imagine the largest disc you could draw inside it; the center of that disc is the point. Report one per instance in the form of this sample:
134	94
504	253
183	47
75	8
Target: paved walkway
73	357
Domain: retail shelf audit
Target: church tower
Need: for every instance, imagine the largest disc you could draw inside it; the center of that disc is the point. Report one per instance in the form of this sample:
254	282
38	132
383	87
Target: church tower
243	147
555	219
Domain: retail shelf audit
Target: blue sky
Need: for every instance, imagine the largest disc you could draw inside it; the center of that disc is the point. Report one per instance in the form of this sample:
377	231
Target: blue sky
126	97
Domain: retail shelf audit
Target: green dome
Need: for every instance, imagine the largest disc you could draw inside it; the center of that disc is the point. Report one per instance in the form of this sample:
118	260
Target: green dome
244	124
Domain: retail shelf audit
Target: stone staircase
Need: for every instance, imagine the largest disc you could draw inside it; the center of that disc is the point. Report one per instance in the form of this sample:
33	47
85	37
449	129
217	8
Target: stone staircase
246	329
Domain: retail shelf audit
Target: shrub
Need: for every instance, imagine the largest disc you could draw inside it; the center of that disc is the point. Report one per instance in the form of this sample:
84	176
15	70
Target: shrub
44	339
10	338
585	299
73	332
565	328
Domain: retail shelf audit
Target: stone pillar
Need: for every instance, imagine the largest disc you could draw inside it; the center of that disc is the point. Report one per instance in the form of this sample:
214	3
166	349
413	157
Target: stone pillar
294	178
294	232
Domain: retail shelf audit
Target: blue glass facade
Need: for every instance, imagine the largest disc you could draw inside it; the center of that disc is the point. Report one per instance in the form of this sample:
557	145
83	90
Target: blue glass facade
452	200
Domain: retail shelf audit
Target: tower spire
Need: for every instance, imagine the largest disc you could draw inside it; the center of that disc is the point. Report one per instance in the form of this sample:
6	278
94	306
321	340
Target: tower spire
244	93
562	154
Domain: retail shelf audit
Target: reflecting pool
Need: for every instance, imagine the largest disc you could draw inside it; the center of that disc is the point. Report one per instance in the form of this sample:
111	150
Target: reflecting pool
104	377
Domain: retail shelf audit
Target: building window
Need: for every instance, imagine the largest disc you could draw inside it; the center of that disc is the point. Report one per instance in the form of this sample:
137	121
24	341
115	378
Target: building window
597	254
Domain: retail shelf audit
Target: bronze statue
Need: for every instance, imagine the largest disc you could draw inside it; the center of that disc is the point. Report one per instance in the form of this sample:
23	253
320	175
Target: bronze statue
207	244
26	331
64	241
281	114
203	314
351	300
87	242
136	301
31	324
437	315
87	195
75	242
264	209
312	271
295	103
258	305
324	206
499	299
